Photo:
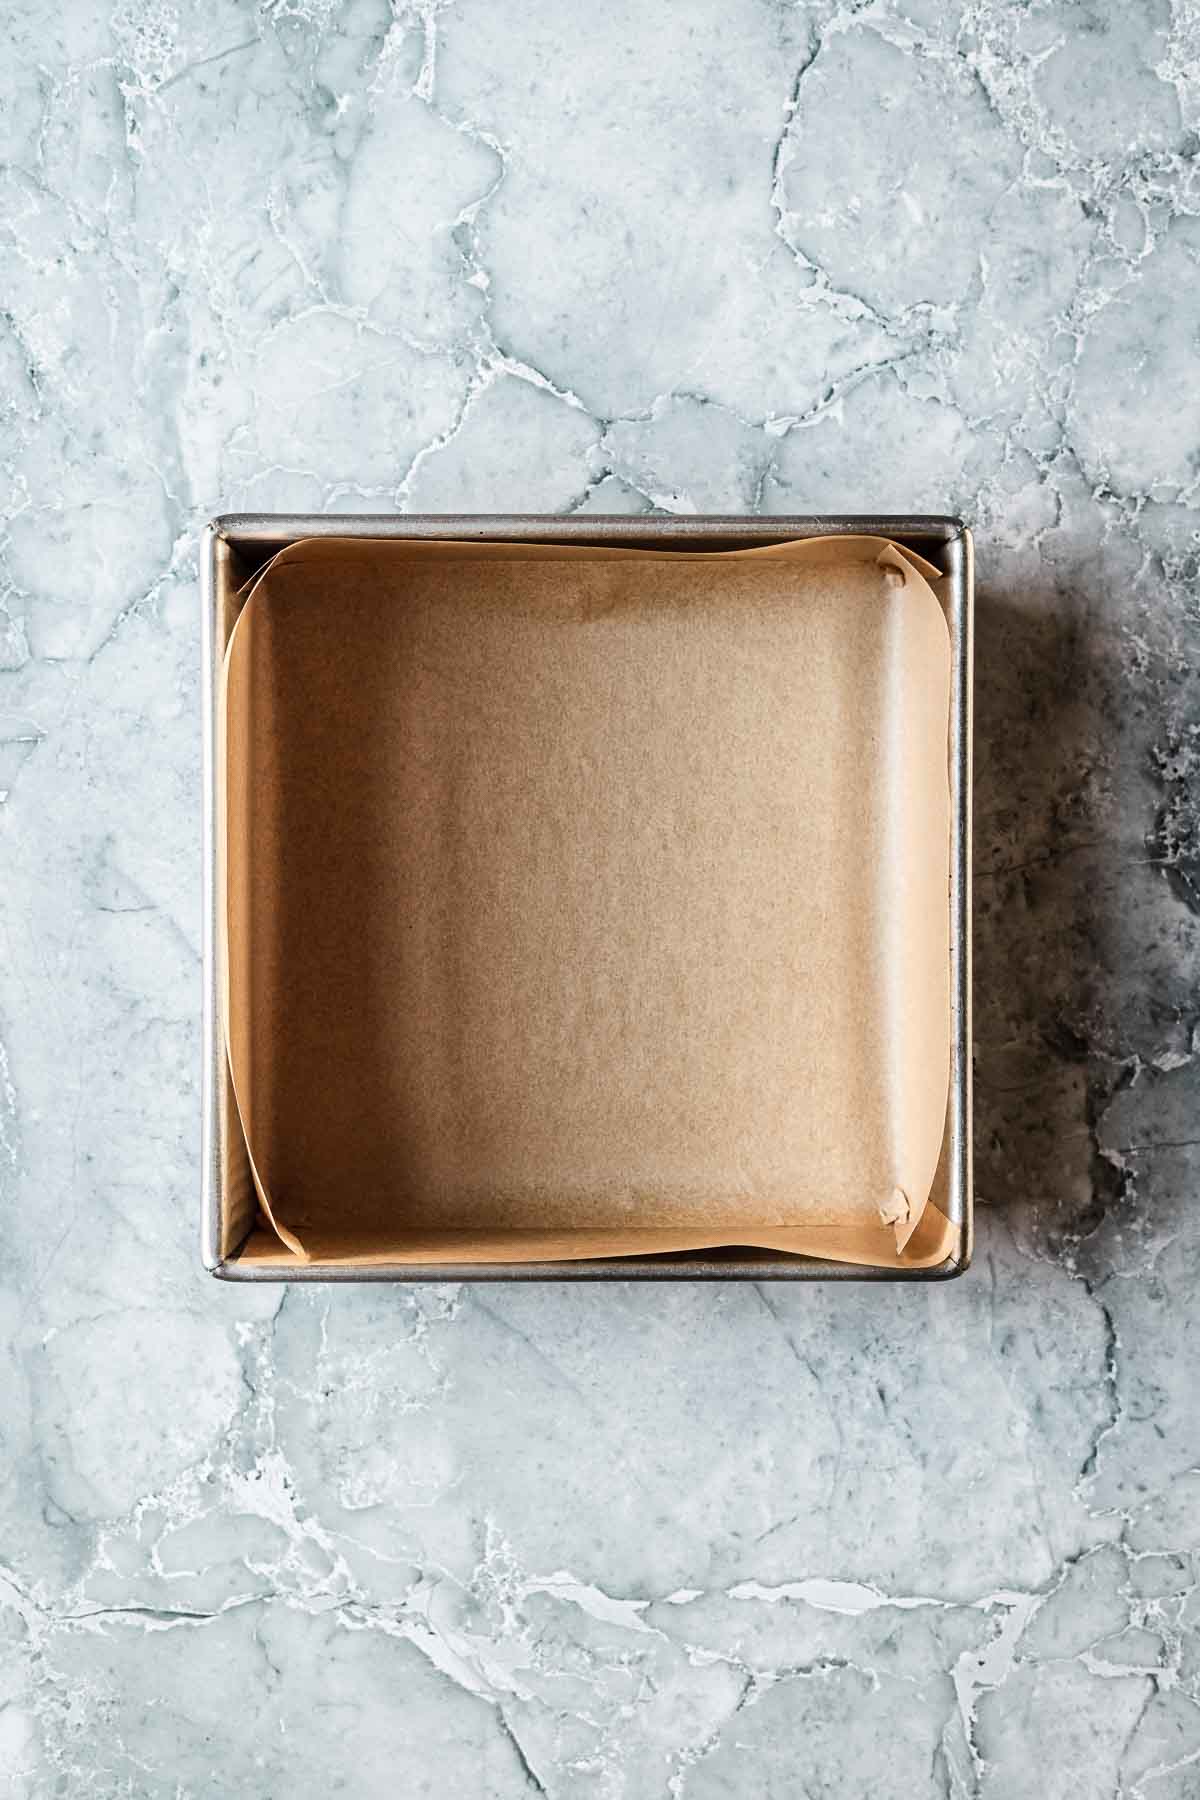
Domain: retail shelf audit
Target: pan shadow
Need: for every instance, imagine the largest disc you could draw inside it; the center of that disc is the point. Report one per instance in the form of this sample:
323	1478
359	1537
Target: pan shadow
1078	983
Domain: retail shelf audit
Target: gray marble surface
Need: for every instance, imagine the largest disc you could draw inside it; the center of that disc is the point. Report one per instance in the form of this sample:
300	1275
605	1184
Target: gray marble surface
633	1542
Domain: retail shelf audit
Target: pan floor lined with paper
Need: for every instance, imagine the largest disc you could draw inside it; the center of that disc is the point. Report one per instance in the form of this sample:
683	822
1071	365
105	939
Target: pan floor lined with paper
586	901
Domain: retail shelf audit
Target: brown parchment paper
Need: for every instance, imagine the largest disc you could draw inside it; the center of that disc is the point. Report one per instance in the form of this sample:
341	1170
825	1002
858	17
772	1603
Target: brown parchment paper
589	902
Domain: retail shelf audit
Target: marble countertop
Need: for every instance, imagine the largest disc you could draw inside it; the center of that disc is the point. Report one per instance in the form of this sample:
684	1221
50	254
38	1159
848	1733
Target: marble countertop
635	1541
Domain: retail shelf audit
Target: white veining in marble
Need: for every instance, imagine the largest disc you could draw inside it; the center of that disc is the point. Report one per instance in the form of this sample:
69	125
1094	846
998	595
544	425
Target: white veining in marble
687	1542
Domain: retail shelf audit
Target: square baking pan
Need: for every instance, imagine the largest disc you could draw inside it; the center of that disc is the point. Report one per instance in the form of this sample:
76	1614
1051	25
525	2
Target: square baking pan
236	547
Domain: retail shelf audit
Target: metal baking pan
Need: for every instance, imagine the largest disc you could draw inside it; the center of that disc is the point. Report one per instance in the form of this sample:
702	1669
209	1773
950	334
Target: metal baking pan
236	546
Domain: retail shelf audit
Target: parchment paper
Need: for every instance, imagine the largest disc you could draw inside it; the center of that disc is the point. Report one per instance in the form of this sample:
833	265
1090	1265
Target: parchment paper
589	902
